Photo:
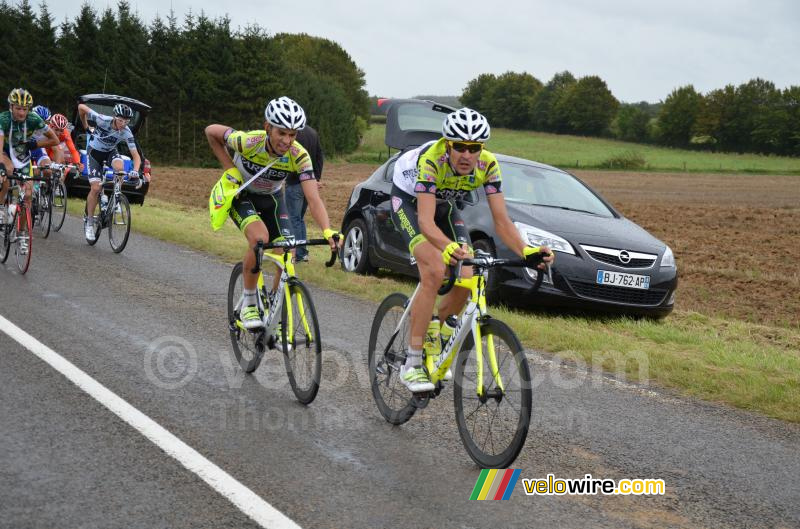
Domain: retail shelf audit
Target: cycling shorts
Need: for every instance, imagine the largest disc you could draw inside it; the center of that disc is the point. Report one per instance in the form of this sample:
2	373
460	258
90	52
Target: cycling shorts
405	220
270	209
97	159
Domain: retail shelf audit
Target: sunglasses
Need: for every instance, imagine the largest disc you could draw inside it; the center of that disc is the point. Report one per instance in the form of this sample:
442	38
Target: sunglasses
464	147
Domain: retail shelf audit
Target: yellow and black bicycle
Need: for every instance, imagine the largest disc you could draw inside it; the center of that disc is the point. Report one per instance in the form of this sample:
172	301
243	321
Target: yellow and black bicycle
289	320
492	380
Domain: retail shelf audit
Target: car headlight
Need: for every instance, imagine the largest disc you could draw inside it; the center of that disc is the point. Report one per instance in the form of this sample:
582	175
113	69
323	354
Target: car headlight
668	259
538	237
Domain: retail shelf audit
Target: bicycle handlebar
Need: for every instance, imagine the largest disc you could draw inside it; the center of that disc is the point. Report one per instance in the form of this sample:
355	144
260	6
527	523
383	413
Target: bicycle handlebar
288	244
483	261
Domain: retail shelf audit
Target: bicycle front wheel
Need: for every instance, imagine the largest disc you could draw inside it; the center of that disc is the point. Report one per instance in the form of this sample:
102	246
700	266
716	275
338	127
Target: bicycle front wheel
246	349
119	228
5	235
44	212
24	241
301	343
59	203
386	351
493	422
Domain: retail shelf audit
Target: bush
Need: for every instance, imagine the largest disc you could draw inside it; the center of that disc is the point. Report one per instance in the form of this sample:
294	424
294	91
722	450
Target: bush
625	160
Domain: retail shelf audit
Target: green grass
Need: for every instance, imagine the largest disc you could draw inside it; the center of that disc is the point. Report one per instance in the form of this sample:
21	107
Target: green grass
594	153
750	366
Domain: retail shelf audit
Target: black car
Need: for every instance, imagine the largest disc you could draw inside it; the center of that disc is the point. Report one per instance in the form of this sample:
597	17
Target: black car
604	261
104	104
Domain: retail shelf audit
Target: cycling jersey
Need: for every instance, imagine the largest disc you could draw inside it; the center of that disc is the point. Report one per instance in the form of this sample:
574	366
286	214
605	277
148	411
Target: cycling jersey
251	156
427	169
105	138
16	135
66	144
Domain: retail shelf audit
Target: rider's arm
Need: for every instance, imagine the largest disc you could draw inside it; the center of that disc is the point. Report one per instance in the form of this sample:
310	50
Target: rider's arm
507	231
217	135
83	112
137	160
73	152
50	139
315	204
426	211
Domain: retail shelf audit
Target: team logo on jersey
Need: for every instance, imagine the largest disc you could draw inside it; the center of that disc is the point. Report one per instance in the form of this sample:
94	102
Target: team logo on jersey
294	150
284	216
284	159
420	188
481	165
254	140
396	203
490	190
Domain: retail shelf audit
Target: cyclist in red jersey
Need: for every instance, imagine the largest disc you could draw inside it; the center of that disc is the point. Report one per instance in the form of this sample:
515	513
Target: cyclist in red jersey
59	124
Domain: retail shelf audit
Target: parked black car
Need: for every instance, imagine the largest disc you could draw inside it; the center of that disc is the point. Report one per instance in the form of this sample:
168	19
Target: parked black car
104	104
604	261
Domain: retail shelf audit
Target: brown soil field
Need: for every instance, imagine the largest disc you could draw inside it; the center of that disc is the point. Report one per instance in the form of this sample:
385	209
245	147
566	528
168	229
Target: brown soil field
736	238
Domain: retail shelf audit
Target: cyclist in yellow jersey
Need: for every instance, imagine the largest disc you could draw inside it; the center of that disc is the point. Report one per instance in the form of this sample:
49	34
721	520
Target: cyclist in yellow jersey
427	181
259	211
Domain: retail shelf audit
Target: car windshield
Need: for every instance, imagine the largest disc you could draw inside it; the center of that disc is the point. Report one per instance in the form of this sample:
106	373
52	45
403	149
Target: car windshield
419	117
545	187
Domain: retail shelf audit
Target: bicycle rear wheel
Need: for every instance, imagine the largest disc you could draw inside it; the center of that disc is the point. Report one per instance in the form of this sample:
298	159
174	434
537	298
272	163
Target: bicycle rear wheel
119	228
493	426
44	211
301	343
59	203
386	355
24	240
247	348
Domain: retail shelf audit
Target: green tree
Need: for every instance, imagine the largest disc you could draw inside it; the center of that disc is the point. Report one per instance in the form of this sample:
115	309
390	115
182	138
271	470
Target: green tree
715	119
476	95
678	115
543	114
511	99
588	107
631	123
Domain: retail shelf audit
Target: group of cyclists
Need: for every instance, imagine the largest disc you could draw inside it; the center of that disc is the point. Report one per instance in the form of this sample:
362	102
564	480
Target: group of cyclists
32	137
427	180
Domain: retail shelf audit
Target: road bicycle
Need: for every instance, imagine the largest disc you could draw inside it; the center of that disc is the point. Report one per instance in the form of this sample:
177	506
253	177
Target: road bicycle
49	200
114	213
295	332
58	194
492	381
17	229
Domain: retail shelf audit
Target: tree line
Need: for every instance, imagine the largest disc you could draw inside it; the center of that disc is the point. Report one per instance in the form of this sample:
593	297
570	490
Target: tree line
752	117
193	72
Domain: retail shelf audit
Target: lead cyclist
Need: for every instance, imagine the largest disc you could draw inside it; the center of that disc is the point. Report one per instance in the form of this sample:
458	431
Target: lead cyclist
426	183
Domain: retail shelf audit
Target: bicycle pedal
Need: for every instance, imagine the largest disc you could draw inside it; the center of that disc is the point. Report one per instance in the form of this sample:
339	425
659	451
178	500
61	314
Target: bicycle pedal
421	400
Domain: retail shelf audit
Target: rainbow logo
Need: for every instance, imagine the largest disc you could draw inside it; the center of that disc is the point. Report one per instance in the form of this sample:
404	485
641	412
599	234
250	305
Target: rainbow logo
495	484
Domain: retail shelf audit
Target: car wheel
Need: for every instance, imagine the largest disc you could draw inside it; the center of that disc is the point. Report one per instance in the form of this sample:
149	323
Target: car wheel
492	283
355	251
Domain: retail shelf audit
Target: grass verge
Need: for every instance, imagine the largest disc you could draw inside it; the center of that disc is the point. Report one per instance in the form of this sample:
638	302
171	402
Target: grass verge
750	366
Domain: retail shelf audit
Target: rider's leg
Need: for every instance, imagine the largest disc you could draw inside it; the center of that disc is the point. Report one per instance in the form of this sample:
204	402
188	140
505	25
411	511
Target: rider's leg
9	167
453	302
431	273
254	232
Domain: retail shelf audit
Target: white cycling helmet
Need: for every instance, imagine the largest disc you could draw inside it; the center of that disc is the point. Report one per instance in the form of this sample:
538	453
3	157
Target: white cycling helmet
285	113
465	124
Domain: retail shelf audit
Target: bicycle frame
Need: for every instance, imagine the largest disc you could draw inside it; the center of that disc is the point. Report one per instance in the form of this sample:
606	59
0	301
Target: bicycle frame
270	321
468	320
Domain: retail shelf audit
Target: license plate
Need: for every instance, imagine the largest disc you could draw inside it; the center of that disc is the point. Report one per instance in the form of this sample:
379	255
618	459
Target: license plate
619	279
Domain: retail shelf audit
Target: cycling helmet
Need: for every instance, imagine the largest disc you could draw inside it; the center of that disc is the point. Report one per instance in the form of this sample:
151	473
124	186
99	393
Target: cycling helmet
43	111
465	124
59	121
285	113
122	110
21	97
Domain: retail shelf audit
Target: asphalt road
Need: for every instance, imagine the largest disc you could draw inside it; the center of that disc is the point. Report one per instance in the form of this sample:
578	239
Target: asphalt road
149	324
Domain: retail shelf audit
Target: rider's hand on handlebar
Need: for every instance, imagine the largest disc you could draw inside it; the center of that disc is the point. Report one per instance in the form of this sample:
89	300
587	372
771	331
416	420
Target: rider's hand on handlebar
538	256
453	252
335	239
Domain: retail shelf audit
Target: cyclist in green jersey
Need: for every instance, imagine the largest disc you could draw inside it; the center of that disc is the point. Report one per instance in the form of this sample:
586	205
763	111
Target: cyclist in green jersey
267	157
427	181
21	132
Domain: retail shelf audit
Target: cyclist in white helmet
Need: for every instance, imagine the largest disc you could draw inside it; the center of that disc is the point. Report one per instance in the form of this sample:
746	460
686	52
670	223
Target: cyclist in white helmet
259	211
109	132
427	184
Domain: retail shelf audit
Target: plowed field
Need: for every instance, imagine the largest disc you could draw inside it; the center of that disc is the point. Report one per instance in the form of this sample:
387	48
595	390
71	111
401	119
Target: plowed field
736	237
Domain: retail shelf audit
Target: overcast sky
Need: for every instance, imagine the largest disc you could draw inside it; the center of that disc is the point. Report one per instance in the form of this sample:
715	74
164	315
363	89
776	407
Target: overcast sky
642	49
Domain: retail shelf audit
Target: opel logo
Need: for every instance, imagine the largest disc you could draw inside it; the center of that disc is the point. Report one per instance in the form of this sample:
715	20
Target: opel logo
624	257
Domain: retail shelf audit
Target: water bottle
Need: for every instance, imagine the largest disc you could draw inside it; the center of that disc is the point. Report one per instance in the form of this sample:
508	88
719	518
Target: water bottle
448	327
103	201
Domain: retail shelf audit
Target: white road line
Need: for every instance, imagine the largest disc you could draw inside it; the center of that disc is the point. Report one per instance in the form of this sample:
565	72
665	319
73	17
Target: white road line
245	499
